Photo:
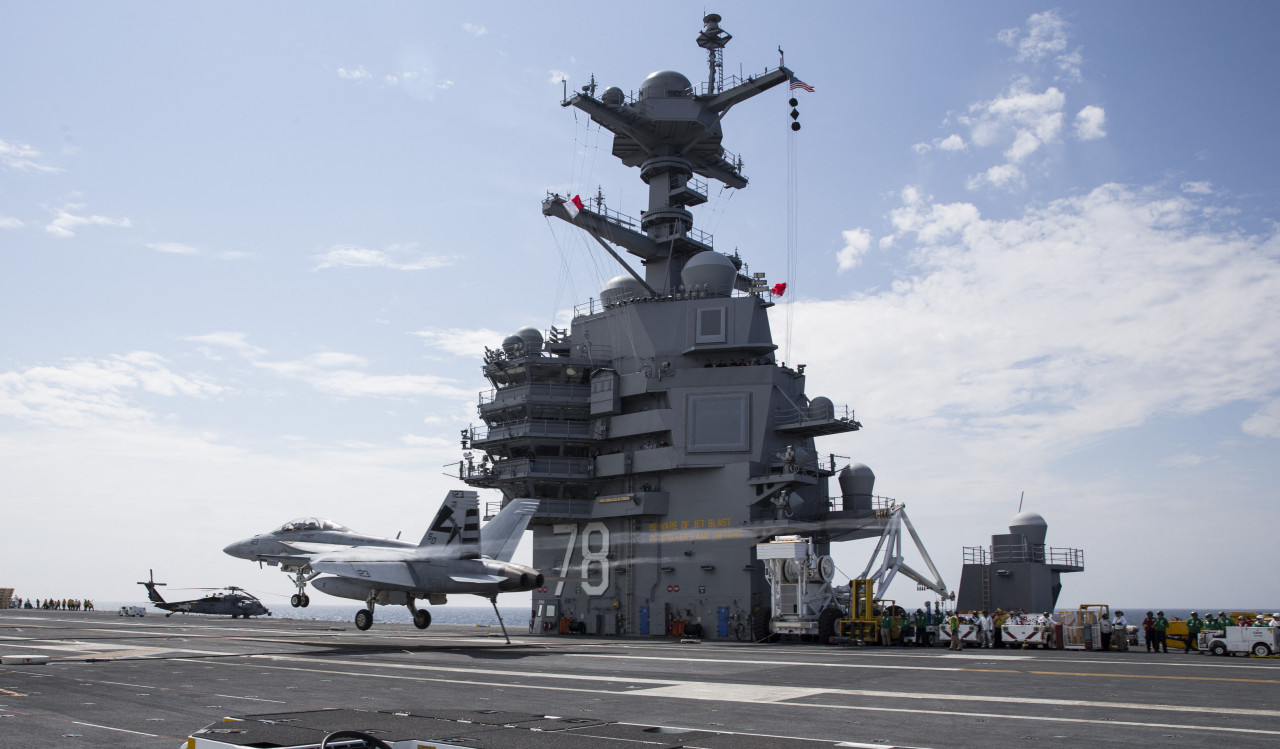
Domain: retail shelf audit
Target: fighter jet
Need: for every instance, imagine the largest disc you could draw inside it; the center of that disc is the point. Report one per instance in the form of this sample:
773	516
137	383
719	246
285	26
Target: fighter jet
454	556
235	602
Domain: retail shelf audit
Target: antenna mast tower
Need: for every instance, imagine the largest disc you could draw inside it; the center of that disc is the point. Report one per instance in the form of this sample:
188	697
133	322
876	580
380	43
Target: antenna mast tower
712	39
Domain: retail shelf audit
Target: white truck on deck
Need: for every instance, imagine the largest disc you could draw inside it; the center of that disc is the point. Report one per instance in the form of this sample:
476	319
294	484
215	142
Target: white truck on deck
1260	641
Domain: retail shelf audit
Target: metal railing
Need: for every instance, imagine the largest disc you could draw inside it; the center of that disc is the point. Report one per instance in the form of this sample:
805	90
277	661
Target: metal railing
787	416
521	393
880	506
527	468
531	428
1015	553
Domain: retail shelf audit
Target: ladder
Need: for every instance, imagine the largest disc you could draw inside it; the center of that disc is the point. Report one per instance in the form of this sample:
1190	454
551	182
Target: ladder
986	588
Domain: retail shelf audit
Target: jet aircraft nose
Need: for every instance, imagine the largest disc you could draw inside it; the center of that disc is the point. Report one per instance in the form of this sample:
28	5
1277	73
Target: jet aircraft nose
240	549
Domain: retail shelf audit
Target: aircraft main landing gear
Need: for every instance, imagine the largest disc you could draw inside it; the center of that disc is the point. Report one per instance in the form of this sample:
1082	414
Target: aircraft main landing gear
299	600
364	619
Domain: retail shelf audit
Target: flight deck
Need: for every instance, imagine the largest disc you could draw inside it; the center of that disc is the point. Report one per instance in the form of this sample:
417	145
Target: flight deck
156	682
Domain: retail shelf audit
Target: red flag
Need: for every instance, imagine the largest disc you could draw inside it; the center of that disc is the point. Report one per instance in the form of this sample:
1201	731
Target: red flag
778	289
573	205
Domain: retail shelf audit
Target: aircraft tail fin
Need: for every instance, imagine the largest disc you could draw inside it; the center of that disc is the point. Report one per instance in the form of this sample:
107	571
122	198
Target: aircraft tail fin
150	585
500	536
455	532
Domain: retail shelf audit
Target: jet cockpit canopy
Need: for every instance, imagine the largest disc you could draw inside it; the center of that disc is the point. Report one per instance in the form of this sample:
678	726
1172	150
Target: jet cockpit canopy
311	524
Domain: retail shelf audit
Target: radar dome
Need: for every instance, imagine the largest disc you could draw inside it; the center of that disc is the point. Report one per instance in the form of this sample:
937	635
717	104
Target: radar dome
613	96
856	479
532	339
665	84
822	408
710	269
621	289
1031	525
512	344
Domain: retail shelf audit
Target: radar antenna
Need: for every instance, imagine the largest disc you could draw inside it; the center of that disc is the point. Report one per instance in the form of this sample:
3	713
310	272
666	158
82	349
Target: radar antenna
712	39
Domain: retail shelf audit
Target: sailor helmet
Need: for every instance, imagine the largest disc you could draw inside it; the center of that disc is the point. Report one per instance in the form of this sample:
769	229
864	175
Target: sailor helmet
1276	616
1194	613
1159	613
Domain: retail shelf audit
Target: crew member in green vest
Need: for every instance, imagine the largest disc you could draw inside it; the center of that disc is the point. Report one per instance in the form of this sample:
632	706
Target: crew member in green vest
1161	627
953	622
886	627
1194	625
921	622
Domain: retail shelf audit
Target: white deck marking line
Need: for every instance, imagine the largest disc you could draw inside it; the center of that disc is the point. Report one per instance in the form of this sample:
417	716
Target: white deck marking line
718	697
255	699
121	730
122	684
995	664
659	686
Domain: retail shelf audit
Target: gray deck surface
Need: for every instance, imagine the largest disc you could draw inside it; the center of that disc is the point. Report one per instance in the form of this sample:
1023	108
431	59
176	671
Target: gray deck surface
151	682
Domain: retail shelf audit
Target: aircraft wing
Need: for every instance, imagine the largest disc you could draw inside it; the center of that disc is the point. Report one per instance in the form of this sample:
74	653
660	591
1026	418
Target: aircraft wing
386	573
316	548
476	579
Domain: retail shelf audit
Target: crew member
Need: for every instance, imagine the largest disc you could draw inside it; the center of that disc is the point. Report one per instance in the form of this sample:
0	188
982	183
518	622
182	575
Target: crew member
954	623
921	623
1194	625
1104	627
886	627
1050	626
997	627
1121	627
1162	627
1149	632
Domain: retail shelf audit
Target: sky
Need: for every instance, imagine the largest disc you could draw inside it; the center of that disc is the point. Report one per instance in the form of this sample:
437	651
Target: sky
251	255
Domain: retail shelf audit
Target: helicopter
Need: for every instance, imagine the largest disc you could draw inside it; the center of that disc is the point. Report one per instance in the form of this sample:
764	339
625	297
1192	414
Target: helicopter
235	601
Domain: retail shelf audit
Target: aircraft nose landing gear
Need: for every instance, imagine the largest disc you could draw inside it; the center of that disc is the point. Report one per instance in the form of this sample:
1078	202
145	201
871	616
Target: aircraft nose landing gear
301	599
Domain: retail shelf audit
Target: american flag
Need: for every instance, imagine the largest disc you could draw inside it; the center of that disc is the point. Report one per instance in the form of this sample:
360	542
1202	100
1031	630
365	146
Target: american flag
797	83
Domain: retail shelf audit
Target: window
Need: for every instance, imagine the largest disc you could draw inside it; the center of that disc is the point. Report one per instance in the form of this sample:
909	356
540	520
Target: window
719	423
711	325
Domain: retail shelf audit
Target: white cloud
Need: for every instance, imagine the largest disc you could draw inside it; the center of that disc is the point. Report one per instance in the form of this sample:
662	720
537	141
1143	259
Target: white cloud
66	223
1265	422
1198	188
1042	332
1045	38
1183	460
468	342
333	372
237	342
354	256
474	29
357	74
173	248
557	76
1001	175
952	142
9	222
88	391
856	244
23	158
1090	123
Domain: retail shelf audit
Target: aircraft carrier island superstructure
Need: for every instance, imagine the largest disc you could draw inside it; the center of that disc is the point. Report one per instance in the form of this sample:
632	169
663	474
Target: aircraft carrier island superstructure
661	435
